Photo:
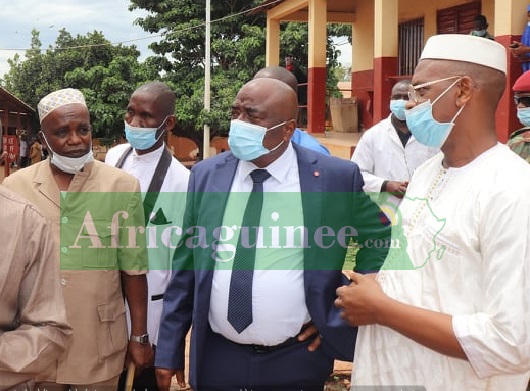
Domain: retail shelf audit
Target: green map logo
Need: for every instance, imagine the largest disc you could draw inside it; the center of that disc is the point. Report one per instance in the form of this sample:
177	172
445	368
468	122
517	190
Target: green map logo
398	257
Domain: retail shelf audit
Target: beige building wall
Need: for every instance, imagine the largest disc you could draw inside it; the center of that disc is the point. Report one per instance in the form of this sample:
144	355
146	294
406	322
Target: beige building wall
510	16
363	36
386	28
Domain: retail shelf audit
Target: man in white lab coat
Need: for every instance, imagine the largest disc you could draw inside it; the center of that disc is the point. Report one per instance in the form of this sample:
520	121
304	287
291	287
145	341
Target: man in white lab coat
388	153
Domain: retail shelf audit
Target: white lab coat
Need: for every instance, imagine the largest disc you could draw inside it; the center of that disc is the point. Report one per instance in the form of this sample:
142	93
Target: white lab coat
381	156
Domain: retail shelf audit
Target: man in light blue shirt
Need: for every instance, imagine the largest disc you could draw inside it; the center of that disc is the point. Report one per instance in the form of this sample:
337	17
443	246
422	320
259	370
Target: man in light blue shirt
299	136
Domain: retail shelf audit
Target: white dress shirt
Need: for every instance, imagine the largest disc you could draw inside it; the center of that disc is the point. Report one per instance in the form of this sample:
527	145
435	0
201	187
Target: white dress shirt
171	201
278	297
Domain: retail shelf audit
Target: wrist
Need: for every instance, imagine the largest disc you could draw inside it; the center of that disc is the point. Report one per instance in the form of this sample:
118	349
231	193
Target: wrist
142	339
383	310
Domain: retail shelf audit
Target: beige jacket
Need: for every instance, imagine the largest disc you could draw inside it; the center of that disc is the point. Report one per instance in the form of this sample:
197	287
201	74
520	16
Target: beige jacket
90	278
33	327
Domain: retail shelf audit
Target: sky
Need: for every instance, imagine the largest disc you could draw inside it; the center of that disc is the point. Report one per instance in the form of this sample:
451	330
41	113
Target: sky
111	17
345	57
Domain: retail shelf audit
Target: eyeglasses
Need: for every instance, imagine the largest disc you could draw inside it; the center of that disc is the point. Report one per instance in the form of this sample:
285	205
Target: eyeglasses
522	99
413	90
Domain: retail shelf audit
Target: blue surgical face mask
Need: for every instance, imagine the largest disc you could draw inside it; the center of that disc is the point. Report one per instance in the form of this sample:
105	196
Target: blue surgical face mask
480	33
425	128
246	140
397	107
142	138
523	114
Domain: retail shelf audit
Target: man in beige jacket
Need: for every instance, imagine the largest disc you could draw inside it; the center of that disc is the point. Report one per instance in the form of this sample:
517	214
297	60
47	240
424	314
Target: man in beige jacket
33	327
77	193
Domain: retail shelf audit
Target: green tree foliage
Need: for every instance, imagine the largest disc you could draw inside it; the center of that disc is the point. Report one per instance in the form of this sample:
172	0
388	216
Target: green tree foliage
237	53
294	41
106	74
23	78
109	74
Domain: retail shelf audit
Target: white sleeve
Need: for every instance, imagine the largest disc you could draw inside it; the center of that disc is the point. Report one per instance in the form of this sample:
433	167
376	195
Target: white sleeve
363	156
496	339
113	154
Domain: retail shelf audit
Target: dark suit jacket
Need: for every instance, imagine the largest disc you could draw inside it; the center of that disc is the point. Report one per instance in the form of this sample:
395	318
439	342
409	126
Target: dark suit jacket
331	196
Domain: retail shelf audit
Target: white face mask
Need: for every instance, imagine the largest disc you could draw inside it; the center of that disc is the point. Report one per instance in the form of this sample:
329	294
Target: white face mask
70	165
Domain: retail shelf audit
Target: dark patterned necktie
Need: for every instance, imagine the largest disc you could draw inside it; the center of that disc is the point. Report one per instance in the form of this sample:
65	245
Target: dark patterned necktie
240	294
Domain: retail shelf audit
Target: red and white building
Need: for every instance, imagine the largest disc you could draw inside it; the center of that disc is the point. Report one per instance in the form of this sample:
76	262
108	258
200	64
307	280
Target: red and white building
387	39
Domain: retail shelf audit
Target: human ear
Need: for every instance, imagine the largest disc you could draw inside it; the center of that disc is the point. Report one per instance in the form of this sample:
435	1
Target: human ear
41	138
170	123
288	129
465	91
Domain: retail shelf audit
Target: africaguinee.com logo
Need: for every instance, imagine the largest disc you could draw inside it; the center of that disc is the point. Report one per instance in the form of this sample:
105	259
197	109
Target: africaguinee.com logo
108	230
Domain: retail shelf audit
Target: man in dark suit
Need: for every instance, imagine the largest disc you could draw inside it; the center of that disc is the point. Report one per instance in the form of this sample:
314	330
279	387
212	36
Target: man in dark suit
294	333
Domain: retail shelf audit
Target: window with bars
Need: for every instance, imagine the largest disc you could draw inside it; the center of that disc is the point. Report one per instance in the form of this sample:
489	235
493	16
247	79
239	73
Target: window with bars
452	20
458	19
410	41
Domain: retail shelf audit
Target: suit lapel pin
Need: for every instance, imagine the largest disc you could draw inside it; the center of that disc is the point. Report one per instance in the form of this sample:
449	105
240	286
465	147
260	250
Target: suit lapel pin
316	173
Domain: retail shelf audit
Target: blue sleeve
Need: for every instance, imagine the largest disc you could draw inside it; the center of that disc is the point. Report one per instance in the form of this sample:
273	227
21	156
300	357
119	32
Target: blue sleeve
305	140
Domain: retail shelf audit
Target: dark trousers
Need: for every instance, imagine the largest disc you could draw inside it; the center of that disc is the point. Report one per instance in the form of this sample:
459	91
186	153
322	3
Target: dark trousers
24	160
227	366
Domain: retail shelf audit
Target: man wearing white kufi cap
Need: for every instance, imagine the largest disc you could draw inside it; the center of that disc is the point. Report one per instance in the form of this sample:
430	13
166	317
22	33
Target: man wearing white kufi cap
77	194
450	309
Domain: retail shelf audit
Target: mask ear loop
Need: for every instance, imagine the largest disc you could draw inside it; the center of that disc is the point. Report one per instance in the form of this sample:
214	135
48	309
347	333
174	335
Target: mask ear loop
445	91
160	127
276	126
47	143
279	145
457	113
442	94
276	147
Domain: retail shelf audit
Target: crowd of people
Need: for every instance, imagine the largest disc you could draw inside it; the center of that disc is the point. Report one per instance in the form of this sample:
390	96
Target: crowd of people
109	265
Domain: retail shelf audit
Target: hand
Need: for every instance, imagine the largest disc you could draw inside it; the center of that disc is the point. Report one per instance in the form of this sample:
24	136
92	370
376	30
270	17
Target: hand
141	355
397	188
518	49
307	333
163	378
361	300
3	155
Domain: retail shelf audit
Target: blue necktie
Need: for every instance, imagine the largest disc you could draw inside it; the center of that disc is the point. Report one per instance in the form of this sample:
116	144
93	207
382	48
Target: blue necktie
240	294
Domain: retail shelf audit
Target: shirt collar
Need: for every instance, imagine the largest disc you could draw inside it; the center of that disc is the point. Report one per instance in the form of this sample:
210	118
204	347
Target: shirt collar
153	155
278	168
